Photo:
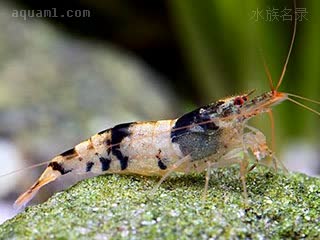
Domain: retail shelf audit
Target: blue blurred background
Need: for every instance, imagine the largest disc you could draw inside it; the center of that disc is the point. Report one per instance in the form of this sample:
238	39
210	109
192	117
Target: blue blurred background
65	77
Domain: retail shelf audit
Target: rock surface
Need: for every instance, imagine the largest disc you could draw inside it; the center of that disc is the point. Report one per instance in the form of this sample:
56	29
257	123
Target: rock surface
113	206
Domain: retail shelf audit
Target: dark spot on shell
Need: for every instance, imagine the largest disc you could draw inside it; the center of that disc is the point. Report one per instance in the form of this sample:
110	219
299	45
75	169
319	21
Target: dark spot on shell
58	167
161	165
105	163
89	166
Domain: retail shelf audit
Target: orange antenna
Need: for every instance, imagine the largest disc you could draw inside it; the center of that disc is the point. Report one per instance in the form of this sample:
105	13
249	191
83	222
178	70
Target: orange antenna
291	45
273	136
266	69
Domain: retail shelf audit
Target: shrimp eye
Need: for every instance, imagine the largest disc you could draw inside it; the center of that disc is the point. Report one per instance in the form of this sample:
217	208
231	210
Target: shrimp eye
238	101
245	98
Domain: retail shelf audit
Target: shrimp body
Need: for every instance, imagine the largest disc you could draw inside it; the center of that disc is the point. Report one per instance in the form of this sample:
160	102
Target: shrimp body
215	135
211	134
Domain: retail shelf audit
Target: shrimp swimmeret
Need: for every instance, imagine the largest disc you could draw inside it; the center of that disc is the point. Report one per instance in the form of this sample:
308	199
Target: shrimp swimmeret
215	135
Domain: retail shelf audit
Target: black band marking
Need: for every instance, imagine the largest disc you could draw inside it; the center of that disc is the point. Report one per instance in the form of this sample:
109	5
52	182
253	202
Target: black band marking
108	146
124	163
118	133
58	167
69	152
102	132
105	163
89	166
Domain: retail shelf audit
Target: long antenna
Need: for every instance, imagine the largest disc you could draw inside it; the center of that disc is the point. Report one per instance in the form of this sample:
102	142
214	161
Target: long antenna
266	69
291	45
304	106
304	98
24	169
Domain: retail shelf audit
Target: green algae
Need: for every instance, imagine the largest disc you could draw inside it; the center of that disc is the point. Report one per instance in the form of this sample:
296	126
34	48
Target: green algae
113	206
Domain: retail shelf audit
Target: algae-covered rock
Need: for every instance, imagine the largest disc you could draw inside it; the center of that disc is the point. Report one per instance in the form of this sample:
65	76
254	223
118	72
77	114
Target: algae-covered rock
113	206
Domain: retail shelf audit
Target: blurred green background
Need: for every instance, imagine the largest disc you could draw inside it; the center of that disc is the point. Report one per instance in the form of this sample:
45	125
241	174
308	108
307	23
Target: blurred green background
63	79
222	41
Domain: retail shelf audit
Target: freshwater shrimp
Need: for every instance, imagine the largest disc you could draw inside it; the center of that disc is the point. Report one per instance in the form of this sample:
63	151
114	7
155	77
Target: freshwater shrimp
215	135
